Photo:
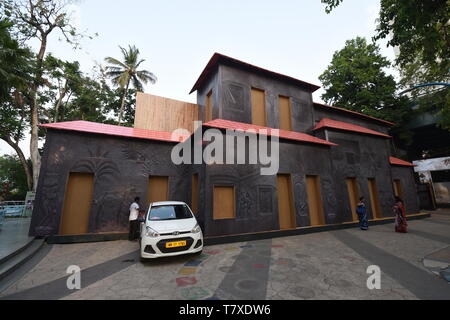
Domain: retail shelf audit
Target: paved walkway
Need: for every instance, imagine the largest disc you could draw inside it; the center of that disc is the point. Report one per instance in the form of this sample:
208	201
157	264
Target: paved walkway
327	265
13	235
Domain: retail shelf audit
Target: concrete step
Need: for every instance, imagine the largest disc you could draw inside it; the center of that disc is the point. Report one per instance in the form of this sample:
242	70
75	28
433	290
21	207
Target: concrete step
16	252
12	262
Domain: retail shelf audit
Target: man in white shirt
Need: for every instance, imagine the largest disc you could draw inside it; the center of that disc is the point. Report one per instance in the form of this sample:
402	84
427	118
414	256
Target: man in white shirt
134	222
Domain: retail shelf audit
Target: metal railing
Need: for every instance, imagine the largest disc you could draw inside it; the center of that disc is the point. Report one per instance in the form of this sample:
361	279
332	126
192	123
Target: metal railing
15	209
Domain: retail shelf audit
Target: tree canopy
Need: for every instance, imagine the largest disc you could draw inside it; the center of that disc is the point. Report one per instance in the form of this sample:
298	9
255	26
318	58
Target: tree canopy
16	67
356	80
420	29
126	72
37	87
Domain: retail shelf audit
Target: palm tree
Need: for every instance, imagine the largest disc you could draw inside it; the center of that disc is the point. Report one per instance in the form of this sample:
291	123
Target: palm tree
125	73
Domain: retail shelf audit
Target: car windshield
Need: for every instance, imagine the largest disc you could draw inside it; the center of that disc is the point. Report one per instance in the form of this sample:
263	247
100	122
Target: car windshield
170	212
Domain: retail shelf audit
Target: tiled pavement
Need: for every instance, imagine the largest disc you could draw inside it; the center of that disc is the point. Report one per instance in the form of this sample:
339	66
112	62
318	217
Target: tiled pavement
327	265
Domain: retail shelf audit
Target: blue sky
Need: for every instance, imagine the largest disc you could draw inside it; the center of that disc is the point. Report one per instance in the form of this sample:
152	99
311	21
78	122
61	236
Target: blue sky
177	38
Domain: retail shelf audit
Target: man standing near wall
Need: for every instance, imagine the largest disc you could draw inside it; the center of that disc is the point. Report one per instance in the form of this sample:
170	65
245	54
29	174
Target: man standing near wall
134	222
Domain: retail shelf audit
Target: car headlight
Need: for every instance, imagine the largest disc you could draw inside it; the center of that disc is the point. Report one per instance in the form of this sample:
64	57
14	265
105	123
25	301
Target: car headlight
196	229
151	233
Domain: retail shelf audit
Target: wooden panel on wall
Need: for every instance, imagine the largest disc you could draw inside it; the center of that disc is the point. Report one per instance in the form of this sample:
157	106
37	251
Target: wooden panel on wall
374	201
316	215
163	114
284	104
259	107
208	107
224	203
286	213
353	193
398	192
77	204
158	189
194	201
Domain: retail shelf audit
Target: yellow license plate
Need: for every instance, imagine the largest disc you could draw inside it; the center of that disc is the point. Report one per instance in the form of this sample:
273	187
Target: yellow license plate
175	244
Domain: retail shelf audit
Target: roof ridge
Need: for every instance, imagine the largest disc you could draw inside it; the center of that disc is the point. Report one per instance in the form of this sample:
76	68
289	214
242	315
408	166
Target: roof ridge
341	125
215	59
115	130
400	162
285	134
356	113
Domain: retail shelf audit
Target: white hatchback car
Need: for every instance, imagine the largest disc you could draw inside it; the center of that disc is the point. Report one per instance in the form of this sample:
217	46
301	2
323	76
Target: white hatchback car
170	229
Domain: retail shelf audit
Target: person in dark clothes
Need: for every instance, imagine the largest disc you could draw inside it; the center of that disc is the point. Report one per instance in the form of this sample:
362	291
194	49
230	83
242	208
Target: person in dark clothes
133	219
362	214
401	225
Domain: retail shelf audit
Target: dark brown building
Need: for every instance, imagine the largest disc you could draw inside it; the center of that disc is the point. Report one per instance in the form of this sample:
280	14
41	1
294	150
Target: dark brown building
328	158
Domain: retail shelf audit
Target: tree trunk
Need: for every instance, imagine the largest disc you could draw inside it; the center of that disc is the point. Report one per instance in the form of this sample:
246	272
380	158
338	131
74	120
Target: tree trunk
23	161
59	102
122	104
34	141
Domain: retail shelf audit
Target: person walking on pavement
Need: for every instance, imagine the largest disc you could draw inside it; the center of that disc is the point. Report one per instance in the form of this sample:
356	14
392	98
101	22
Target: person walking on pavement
362	214
401	225
133	219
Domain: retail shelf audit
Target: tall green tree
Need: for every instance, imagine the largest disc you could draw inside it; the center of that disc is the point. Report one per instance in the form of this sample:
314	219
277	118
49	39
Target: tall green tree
74	95
420	30
91	101
356	80
62	79
15	68
125	73
37	20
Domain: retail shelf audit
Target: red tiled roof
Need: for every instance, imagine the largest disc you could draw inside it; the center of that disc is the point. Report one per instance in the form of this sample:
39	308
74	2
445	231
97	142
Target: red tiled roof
355	113
328	123
217	58
290	135
399	162
108	129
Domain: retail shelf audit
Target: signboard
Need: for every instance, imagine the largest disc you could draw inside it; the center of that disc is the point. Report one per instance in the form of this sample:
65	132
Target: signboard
29	202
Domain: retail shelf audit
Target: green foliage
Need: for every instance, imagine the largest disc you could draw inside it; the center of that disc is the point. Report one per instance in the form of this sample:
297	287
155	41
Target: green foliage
86	97
420	30
36	19
15	69
15	63
36	87
123	73
331	4
356	80
13	181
